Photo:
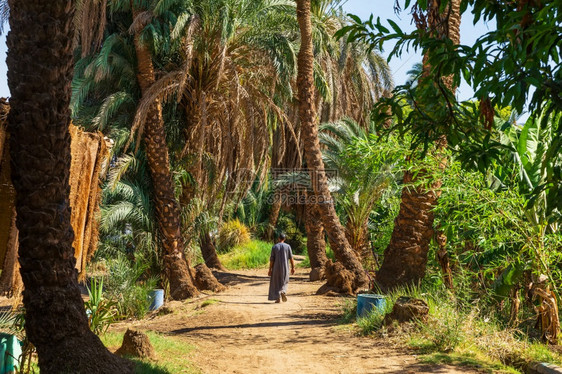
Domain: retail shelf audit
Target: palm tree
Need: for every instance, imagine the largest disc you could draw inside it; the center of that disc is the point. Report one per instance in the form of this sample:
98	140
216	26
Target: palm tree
166	206
349	78
39	75
122	57
315	243
363	174
307	114
405	258
235	70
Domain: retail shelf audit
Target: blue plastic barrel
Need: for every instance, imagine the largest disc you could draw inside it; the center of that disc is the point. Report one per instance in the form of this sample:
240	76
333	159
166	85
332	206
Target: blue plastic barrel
366	302
10	352
156	298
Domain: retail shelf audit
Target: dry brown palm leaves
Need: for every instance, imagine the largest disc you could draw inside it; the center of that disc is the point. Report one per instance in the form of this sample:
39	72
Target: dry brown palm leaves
89	157
547	311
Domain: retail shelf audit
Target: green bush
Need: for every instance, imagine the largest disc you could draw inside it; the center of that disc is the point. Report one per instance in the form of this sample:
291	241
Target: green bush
295	237
100	310
252	255
443	328
126	286
231	234
349	308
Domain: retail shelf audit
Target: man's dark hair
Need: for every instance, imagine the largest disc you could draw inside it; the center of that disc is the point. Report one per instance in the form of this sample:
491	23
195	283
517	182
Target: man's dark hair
282	236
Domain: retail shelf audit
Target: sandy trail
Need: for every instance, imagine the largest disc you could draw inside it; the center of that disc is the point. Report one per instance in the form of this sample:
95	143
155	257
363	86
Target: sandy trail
241	332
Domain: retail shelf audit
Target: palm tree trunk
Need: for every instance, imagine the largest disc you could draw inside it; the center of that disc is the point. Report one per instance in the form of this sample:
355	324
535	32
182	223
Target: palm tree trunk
315	244
313	154
405	258
209	252
40	66
443	259
167	207
274	214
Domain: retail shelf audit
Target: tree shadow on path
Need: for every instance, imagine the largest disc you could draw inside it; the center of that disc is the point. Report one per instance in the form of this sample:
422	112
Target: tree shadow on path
304	322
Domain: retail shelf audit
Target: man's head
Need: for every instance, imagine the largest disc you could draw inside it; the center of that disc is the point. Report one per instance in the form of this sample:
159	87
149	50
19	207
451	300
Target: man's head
282	237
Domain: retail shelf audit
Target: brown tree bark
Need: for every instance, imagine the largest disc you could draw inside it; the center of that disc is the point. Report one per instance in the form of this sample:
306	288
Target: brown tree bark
315	244
209	252
405	258
313	154
443	259
167	207
40	67
274	214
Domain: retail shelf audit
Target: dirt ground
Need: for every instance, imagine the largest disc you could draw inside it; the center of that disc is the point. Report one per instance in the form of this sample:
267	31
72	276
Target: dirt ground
239	331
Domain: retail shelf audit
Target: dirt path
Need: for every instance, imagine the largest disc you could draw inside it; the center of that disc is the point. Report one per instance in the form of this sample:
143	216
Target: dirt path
239	331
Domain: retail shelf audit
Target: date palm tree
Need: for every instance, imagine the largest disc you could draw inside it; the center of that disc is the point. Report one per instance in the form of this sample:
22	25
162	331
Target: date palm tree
313	154
39	75
349	78
363	175
405	258
128	59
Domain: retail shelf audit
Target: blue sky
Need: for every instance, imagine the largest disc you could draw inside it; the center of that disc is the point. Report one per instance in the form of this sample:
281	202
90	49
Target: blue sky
362	8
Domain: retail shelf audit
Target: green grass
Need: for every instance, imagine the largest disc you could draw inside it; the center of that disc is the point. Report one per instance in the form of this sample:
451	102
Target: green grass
450	336
171	354
468	359
252	255
209	302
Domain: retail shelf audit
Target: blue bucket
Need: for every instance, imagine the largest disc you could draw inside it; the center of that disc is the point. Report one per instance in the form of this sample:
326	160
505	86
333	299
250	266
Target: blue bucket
10	353
156	298
366	302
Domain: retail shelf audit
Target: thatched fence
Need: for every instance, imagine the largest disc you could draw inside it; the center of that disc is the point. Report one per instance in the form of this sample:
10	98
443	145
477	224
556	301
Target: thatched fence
90	155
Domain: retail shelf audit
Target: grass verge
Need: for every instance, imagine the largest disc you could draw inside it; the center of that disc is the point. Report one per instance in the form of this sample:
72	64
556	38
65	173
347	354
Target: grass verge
252	255
171	354
455	337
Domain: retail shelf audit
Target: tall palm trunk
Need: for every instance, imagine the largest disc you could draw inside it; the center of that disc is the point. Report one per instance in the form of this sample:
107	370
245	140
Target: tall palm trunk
274	214
313	154
315	244
209	252
405	258
167	207
39	75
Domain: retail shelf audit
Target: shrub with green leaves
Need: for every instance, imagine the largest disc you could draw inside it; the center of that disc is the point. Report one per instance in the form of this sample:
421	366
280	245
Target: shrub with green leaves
231	234
100	310
129	288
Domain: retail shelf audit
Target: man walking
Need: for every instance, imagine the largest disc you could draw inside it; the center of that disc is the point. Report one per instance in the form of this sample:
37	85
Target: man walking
281	253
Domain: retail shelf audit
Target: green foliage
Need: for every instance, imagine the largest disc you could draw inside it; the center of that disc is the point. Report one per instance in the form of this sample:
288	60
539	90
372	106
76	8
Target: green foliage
128	286
231	234
208	302
443	329
349	309
524	47
253	210
101	311
295	237
367	188
252	255
127	224
499	228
